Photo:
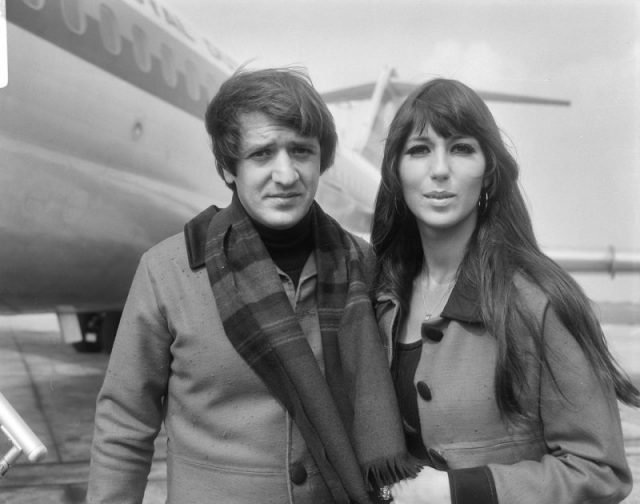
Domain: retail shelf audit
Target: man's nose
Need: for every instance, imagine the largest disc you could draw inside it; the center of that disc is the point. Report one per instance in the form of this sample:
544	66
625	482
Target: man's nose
284	169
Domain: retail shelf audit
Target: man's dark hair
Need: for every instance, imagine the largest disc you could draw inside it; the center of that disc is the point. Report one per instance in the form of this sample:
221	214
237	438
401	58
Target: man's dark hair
285	95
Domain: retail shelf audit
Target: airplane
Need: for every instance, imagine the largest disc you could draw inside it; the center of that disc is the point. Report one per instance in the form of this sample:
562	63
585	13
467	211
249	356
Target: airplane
103	153
384	97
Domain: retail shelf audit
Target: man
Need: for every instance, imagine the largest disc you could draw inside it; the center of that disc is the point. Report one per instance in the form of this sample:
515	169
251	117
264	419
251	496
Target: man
252	335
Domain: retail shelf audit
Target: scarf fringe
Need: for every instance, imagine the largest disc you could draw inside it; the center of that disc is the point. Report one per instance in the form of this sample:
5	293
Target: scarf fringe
391	470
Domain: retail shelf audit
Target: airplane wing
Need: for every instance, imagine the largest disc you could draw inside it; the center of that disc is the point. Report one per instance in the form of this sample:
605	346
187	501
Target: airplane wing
385	96
397	89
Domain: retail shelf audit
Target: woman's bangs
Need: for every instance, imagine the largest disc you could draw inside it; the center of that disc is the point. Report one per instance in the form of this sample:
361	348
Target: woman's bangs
442	122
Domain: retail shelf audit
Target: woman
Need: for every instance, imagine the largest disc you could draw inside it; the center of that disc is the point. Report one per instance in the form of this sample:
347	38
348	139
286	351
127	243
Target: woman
505	383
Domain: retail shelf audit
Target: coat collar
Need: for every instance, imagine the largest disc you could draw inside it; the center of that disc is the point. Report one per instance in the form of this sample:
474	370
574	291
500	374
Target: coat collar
195	234
463	304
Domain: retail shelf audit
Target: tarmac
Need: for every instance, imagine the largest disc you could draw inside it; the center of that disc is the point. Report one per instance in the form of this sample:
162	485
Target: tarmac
53	387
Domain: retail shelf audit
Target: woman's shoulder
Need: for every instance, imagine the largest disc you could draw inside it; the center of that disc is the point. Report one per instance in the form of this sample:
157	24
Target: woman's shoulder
531	294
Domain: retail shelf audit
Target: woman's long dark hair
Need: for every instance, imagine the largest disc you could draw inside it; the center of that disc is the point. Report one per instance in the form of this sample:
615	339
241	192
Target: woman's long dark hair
502	245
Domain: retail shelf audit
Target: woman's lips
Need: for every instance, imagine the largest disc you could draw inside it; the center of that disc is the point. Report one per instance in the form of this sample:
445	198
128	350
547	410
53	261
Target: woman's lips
439	195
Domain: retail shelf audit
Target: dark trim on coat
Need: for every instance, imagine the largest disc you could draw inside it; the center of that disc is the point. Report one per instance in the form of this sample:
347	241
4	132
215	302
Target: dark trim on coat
472	486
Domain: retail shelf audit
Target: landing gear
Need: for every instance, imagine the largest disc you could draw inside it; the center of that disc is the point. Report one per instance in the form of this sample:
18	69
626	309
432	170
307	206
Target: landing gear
98	331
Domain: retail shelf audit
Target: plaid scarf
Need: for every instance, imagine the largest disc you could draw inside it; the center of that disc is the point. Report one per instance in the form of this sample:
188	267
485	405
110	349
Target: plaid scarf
348	417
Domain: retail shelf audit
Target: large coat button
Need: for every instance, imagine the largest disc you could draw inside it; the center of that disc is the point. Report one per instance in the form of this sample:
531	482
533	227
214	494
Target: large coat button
424	390
431	333
298	473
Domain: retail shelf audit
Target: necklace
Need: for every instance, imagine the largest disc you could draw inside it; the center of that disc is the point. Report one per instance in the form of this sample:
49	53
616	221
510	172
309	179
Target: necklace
437	307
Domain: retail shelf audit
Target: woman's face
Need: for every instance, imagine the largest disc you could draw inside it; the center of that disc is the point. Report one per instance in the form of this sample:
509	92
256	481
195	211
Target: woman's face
442	180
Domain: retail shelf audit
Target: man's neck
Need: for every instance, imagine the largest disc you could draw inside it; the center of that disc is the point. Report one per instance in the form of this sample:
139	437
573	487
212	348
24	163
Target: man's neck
289	248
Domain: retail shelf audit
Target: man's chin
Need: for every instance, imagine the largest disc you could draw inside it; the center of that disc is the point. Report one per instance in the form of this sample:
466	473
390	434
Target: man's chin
281	220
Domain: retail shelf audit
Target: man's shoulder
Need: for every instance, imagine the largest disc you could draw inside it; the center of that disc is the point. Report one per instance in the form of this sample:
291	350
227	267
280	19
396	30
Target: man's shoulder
363	243
359	240
170	250
366	254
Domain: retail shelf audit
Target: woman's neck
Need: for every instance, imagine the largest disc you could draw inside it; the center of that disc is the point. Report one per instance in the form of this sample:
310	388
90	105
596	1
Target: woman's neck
443	252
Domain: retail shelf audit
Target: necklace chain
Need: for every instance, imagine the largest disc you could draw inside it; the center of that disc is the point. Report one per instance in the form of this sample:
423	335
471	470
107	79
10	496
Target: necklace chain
448	287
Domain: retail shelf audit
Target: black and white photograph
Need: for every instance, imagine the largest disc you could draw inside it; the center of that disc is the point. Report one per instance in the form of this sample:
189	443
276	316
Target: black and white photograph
442	195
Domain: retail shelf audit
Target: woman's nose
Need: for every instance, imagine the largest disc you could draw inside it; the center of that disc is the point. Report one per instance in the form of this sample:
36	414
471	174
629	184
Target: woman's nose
440	165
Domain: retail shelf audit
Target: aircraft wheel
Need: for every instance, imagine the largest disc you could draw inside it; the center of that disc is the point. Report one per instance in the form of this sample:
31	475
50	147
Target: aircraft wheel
98	331
108	329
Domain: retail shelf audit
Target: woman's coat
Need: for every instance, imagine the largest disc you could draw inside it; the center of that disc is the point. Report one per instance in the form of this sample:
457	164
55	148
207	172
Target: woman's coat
571	448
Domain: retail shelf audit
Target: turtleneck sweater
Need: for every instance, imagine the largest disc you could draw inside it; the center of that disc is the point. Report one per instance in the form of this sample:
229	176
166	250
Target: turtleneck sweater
289	248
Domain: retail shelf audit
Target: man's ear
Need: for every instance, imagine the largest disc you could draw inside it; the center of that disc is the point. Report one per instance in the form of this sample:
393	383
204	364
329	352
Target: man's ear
229	177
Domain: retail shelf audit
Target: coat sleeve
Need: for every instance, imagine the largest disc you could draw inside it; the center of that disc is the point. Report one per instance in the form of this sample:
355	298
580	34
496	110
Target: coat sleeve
582	431
129	408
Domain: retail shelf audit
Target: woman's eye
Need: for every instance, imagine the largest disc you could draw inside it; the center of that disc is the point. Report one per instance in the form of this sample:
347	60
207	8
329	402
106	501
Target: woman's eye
463	148
418	150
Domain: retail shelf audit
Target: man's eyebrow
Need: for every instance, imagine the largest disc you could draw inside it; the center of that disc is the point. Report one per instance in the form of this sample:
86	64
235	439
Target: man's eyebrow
256	145
310	141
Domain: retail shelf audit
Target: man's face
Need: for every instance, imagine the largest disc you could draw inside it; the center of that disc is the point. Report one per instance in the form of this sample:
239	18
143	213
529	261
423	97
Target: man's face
278	171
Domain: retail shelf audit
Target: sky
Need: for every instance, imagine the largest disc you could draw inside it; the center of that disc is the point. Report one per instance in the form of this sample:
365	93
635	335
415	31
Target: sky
580	165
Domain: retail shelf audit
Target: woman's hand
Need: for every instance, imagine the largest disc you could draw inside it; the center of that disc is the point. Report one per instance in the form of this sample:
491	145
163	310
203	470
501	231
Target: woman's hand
430	486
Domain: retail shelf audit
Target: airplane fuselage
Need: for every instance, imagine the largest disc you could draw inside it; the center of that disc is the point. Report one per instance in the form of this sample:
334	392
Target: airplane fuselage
103	151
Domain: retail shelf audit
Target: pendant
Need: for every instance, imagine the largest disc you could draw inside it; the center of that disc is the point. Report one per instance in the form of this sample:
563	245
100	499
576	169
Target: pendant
427	316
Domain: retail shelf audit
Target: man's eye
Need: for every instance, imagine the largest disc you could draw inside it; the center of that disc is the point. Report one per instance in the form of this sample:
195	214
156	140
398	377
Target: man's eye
261	154
418	150
300	152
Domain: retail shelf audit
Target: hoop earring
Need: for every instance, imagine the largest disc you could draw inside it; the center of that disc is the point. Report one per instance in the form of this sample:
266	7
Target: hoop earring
483	203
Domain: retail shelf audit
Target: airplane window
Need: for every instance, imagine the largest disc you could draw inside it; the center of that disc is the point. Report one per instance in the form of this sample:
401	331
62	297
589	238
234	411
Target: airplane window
168	65
74	16
193	84
109	30
35	4
141	49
